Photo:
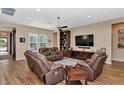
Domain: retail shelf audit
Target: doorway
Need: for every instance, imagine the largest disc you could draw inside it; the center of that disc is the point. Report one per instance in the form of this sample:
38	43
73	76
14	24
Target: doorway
8	44
3	44
118	42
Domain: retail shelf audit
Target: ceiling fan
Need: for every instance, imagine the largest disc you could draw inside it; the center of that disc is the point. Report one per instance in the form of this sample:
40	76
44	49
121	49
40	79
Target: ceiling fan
60	28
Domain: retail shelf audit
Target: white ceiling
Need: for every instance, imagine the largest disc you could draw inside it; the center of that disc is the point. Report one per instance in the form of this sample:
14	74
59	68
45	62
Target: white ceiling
73	17
6	29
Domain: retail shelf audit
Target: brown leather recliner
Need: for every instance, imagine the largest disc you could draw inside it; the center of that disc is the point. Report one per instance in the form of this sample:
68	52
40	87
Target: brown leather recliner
47	71
52	54
95	65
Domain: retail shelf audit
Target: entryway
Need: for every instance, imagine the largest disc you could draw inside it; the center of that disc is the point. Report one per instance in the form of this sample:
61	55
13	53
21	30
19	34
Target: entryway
4	46
7	43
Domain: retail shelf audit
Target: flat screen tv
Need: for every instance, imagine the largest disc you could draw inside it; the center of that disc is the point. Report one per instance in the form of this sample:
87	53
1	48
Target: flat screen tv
84	40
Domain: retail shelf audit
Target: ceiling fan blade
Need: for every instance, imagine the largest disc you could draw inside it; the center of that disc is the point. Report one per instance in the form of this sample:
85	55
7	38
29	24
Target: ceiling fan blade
64	27
60	29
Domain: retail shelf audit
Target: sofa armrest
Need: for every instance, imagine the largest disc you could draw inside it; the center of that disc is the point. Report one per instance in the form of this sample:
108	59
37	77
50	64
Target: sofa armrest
88	60
83	64
61	53
55	66
54	76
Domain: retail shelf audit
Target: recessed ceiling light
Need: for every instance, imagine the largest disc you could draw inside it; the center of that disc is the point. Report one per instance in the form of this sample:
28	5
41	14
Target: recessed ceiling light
49	22
88	16
28	18
38	9
70	22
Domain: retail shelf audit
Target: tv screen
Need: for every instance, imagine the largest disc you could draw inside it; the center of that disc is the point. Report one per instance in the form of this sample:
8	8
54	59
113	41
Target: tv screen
84	40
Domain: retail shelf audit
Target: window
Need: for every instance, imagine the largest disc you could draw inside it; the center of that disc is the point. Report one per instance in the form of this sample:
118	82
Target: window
37	41
33	40
43	41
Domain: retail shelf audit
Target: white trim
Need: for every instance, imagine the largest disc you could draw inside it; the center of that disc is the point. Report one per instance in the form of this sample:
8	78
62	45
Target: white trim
108	62
36	35
20	59
118	59
46	42
38	40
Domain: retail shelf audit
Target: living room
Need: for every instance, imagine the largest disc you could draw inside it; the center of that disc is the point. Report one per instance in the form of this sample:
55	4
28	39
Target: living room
100	35
52	46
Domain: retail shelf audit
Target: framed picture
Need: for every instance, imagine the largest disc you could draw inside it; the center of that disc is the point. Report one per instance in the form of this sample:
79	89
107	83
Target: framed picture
22	39
120	45
121	38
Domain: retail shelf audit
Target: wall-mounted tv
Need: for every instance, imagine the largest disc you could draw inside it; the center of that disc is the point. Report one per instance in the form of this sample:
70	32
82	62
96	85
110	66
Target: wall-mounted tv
84	40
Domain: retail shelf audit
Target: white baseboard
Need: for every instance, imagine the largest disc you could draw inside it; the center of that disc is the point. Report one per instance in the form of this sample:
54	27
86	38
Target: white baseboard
20	59
118	60
108	62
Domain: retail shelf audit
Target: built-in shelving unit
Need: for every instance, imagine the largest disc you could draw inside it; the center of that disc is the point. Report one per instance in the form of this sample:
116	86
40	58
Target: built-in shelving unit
64	40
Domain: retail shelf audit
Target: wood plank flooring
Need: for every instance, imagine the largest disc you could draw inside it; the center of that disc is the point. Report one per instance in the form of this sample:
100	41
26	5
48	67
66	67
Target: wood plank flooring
17	72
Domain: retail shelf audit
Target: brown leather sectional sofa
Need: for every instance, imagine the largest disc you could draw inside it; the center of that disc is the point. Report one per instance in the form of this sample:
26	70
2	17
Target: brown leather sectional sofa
52	54
52	73
47	71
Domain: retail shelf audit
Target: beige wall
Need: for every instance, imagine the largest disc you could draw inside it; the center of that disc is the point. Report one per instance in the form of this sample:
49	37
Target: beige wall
23	31
102	36
55	39
117	53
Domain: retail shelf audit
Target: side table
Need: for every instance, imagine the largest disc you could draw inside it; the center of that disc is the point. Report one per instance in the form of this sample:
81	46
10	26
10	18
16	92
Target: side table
74	74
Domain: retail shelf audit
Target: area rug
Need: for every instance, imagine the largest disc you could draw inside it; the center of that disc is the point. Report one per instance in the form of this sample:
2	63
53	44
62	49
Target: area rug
4	57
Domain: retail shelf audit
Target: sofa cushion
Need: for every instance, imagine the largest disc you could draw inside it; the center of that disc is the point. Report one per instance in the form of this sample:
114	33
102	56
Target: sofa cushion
93	59
52	54
51	51
56	50
59	56
46	53
51	57
43	59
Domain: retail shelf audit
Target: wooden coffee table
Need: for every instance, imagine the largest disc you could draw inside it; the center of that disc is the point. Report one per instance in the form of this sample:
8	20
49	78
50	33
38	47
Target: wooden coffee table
75	74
